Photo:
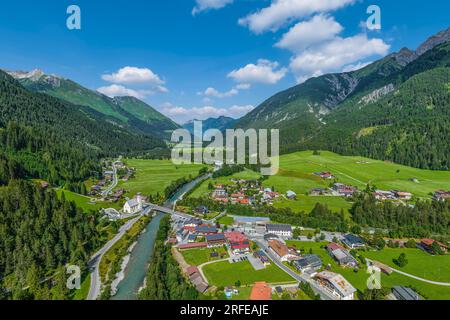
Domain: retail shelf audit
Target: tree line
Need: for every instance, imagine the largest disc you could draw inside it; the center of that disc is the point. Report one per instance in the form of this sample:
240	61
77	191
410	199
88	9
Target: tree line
39	235
424	219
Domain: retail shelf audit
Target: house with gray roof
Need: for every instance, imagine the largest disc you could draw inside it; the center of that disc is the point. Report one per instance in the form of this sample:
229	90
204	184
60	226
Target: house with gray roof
405	293
308	262
281	230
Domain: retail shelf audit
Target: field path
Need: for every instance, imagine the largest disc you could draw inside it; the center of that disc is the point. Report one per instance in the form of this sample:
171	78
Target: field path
444	284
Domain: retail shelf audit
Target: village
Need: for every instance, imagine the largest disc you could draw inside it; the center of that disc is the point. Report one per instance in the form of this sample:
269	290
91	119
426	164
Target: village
254	258
252	193
198	246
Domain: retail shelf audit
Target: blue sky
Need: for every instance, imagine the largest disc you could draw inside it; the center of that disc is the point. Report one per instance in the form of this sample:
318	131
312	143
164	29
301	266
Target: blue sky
200	58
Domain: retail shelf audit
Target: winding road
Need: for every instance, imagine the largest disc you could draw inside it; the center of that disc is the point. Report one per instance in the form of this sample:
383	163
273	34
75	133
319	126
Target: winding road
94	263
114	182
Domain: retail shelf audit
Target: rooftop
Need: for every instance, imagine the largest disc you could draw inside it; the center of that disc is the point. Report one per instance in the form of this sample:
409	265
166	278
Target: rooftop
279	227
261	291
352	239
404	293
338	282
216	237
280	248
235	236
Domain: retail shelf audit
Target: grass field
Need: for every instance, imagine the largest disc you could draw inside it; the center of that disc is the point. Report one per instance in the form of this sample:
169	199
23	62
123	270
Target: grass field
296	173
84	290
420	263
83	202
196	257
154	176
417	262
306	203
225	274
228	221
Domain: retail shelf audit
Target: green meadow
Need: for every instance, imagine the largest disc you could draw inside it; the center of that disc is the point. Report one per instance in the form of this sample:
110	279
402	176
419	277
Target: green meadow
154	176
225	274
297	174
84	202
420	263
196	257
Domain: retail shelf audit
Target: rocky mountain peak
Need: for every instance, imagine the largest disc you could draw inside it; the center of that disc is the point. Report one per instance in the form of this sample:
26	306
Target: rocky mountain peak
441	37
405	56
34	75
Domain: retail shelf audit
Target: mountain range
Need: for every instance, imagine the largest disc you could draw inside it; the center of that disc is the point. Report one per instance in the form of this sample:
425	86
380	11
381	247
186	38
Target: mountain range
127	112
394	109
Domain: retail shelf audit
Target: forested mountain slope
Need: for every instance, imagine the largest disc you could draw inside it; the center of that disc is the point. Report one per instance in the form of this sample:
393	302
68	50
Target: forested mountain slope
346	112
45	137
127	112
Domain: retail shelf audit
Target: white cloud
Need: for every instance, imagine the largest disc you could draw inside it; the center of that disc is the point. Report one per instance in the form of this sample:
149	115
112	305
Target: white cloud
335	55
264	71
146	81
133	75
243	86
212	92
115	90
308	33
281	12
182	114
203	5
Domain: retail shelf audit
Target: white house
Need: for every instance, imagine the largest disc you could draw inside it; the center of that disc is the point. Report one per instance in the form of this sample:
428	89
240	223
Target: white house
291	194
132	206
281	230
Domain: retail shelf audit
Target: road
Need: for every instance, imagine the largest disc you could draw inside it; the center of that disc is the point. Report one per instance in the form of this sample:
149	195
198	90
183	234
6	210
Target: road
94	263
114	182
324	295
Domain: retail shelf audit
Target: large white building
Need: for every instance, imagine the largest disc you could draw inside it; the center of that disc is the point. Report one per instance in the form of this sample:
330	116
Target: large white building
132	206
281	230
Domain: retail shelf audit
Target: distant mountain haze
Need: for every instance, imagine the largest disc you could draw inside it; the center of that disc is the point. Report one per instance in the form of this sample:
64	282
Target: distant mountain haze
220	123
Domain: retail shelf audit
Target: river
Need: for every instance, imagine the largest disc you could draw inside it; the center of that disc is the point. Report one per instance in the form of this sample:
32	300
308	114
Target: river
136	270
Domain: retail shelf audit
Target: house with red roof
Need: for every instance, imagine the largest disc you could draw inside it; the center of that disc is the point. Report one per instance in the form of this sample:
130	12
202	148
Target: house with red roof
261	292
238	242
427	244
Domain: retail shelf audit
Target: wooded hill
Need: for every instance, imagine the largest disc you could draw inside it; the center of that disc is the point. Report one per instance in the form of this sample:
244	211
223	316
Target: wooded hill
48	138
393	109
